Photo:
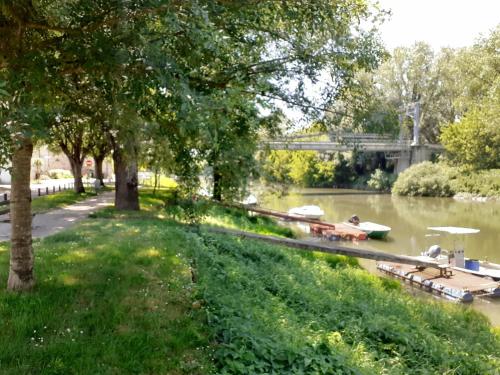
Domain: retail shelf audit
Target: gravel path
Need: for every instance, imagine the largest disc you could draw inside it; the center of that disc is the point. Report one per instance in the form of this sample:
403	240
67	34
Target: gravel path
54	221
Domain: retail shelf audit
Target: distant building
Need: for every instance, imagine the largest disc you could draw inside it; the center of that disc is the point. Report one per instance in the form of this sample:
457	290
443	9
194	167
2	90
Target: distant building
44	161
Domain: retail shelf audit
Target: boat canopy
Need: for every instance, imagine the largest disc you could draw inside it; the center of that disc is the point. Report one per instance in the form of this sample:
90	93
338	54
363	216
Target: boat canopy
455	230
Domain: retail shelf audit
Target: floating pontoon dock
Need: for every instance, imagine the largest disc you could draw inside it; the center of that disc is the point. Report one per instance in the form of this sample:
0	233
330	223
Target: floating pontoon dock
451	283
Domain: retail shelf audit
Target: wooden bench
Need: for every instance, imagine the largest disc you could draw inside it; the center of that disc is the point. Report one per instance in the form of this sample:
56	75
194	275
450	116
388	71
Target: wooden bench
445	270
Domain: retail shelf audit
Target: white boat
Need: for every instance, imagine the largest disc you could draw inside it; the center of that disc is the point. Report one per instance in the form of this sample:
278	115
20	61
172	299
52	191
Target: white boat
251	200
372	230
309	212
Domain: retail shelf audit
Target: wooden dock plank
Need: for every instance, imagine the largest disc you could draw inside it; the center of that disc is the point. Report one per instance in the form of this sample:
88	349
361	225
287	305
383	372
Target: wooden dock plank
341	250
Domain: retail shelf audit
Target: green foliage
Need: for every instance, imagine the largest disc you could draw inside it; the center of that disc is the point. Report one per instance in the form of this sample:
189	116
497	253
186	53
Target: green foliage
418	74
241	219
478	183
424	179
59	173
308	168
273	311
474	142
364	108
380	180
442	180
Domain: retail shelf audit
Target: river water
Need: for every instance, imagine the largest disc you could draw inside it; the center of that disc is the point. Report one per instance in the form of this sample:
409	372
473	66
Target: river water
409	218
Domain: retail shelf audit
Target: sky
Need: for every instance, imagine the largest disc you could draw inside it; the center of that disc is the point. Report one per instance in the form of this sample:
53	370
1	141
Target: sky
440	23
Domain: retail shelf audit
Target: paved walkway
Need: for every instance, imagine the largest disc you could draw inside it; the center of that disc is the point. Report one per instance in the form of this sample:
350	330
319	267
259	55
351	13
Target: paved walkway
54	221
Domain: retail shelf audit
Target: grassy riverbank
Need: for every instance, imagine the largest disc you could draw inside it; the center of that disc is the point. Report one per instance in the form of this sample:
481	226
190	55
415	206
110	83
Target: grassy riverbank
143	293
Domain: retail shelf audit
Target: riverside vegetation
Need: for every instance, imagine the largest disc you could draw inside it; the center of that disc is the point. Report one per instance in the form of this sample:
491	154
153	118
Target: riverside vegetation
144	292
443	180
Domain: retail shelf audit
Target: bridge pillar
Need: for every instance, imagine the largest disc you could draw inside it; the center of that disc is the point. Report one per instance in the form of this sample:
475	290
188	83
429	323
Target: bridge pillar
402	162
420	153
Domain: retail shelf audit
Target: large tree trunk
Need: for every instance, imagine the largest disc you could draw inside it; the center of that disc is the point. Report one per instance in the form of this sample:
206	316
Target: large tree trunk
126	183
76	169
21	276
156	180
217	193
99	175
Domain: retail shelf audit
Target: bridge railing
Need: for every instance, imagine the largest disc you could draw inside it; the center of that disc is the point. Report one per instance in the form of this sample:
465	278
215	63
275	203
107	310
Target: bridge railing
341	137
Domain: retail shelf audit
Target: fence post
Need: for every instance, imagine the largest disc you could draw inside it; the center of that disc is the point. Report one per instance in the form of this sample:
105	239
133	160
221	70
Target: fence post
47	190
53	188
5	197
59	187
39	192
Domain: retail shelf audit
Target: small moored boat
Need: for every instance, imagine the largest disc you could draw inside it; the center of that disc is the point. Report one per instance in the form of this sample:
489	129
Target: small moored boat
251	200
309	212
372	230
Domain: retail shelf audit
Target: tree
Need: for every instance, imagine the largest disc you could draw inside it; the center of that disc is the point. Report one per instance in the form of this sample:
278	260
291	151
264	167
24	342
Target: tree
478	72
24	64
101	148
71	137
416	74
136	53
363	108
228	53
474	141
41	42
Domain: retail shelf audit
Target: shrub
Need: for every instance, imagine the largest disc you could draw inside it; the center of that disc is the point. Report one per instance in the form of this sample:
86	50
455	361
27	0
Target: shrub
485	183
425	179
441	180
60	173
380	180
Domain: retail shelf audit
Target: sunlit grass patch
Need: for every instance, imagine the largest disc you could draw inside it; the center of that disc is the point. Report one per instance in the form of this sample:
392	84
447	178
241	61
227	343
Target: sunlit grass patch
76	256
163	182
149	253
240	219
135	317
68	279
58	200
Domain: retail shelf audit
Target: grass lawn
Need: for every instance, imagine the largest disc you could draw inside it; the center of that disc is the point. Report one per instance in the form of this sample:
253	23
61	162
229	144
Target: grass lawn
141	293
112	297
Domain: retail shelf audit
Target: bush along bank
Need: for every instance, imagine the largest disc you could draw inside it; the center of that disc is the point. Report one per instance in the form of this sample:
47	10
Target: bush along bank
442	180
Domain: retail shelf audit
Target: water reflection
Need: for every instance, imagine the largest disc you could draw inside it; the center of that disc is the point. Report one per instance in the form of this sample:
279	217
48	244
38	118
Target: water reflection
409	219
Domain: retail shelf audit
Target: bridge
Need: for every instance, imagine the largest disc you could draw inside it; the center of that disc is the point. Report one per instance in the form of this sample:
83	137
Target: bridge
405	152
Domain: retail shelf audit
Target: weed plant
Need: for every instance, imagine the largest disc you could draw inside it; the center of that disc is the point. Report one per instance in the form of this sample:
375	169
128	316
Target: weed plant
274	311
